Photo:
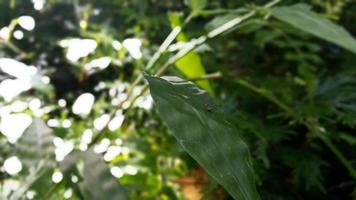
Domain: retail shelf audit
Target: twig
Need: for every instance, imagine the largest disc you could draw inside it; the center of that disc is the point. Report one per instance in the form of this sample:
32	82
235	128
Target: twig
265	93
215	75
230	25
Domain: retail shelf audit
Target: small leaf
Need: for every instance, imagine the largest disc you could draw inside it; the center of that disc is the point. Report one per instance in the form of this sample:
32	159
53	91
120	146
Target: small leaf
348	138
205	134
197	5
301	17
98	182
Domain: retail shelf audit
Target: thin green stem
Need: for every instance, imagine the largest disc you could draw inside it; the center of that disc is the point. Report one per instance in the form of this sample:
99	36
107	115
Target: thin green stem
222	11
168	41
267	94
230	25
338	154
313	128
215	75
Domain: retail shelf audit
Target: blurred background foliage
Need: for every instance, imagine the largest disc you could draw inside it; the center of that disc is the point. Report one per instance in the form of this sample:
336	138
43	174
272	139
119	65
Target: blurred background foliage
71	62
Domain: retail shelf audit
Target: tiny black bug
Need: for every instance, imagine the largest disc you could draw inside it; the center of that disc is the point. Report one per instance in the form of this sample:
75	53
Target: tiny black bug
208	107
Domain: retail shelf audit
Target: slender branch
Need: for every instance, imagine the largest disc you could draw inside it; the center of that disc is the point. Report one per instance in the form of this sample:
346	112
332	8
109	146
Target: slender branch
215	75
15	49
221	11
230	25
338	154
333	148
168	41
112	115
267	94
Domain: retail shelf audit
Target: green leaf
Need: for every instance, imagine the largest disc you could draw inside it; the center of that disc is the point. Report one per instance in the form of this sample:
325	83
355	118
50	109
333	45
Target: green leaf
190	65
35	149
306	167
98	182
197	5
348	138
36	145
69	169
301	17
205	134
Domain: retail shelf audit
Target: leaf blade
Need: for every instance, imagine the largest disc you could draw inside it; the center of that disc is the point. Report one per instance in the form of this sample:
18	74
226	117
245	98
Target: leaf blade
35	149
36	144
98	182
300	16
205	135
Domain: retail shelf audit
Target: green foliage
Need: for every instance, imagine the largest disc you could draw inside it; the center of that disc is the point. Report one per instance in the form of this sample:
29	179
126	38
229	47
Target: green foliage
301	17
192	116
281	92
190	65
36	147
337	94
197	5
97	175
36	151
306	168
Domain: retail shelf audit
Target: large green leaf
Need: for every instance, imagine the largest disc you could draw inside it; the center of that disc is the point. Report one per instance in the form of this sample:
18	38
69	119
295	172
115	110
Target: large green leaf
205	134
98	182
301	17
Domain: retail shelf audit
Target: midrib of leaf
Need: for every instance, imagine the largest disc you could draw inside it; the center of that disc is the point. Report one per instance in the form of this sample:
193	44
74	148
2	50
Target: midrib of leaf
211	136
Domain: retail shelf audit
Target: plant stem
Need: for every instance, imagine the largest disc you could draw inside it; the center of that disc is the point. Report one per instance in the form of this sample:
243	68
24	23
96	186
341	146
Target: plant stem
267	94
335	150
230	25
168	41
312	127
215	75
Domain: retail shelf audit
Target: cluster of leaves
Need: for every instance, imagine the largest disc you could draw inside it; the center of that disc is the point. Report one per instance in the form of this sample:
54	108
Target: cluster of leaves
279	125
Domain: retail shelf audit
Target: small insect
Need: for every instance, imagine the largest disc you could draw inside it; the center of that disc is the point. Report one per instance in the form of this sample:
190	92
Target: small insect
208	107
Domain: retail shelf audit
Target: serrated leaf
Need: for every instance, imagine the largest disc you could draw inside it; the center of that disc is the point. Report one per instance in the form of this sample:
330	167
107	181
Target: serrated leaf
36	145
337	92
204	133
35	149
307	167
98	182
301	17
